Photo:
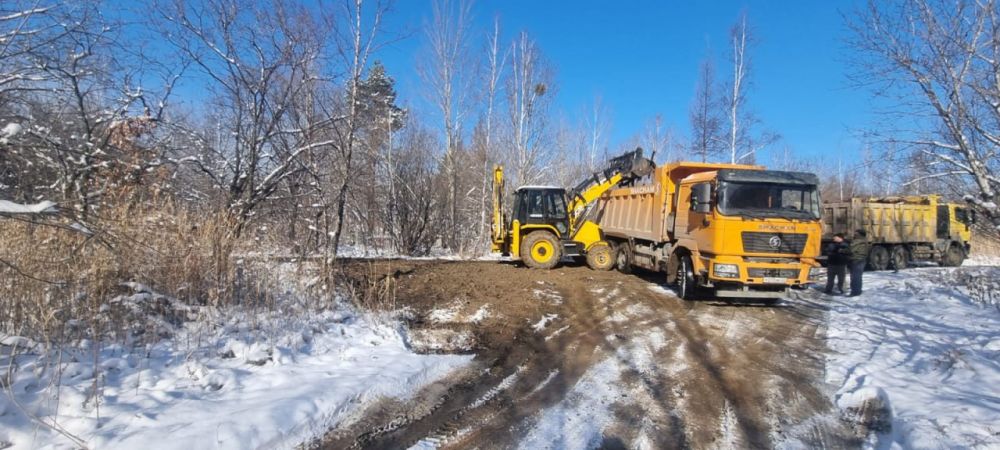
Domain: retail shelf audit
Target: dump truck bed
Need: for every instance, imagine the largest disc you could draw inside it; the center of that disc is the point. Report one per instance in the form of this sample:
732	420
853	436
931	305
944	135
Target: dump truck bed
892	220
646	211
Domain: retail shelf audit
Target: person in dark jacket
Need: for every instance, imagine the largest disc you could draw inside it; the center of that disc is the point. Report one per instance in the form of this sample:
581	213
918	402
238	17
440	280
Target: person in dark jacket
837	256
859	249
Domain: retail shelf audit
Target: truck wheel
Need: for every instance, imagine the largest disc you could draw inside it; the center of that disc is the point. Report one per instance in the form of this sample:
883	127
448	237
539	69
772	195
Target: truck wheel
600	257
953	257
878	259
623	260
541	250
900	257
686	285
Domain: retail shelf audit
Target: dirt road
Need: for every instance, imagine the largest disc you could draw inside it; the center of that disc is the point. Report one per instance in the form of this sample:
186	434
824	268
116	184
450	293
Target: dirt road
573	358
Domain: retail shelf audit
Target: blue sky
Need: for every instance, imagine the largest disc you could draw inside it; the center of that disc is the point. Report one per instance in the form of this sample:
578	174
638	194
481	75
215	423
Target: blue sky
642	59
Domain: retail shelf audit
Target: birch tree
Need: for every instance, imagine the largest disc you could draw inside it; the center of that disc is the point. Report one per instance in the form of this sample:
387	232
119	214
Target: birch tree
446	73
940	62
355	46
496	61
659	141
598	126
528	91
743	142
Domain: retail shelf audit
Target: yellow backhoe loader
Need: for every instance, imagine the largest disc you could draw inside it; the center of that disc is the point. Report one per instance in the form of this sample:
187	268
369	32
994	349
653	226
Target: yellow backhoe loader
547	222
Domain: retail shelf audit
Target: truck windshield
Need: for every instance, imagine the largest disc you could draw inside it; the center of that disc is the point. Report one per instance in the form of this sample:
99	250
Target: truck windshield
769	200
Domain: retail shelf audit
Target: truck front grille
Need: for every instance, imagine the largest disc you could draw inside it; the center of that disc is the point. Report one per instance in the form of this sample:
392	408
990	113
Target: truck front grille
761	272
757	242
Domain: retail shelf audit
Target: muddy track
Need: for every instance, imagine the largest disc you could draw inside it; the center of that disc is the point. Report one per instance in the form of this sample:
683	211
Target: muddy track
615	360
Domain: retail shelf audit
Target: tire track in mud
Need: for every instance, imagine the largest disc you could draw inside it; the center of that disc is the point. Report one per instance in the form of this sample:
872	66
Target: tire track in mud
691	374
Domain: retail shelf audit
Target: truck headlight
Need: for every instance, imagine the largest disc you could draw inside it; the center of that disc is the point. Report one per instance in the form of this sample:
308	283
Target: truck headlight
726	270
815	272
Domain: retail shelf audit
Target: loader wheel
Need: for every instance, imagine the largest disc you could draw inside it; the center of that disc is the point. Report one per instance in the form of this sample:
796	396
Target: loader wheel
623	258
686	285
953	257
541	250
878	259
900	257
600	257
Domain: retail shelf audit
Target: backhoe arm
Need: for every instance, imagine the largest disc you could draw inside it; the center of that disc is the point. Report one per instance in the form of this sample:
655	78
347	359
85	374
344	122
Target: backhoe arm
498	228
621	169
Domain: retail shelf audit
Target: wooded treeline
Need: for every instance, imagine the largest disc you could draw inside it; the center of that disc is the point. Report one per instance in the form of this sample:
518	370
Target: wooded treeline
279	115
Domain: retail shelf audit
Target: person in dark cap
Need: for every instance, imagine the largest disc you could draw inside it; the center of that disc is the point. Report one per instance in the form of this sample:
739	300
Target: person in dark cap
859	249
838	254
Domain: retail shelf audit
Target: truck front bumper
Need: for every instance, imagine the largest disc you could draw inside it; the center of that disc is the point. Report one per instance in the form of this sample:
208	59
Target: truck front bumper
755	276
744	291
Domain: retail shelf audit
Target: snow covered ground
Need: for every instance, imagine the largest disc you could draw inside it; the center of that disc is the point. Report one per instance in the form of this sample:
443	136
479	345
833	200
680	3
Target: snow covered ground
261	380
916	358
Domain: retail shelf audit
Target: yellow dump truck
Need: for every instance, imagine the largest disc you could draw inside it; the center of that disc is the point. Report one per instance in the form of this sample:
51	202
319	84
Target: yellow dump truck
730	230
904	229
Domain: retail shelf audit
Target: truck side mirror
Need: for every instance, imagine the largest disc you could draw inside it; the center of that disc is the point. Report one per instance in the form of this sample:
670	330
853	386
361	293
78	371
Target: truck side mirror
701	198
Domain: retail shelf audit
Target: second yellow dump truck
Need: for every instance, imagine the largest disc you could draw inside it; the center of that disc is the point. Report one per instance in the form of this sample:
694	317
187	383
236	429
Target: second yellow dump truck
904	229
725	229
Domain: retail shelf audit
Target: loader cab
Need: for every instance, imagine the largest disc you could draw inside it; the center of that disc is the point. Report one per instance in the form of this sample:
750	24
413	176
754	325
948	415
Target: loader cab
541	206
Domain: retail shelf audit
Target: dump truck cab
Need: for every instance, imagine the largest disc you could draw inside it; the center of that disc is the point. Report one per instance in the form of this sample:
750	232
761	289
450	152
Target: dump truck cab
749	232
734	230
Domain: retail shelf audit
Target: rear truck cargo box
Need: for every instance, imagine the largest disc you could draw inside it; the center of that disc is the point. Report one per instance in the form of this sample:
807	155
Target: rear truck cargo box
903	229
733	230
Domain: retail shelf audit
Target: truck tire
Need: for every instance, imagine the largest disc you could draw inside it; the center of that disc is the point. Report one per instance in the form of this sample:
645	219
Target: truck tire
686	284
899	257
600	257
878	258
953	256
541	250
623	258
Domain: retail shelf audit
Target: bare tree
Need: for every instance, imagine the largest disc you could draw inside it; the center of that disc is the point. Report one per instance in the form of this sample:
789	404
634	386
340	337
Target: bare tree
355	47
941	62
658	139
740	37
72	104
598	127
706	127
449	80
496	61
414	232
528	89
743	144
258	60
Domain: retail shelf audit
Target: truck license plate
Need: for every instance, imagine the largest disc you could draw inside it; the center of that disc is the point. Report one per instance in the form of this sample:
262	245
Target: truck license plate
775	280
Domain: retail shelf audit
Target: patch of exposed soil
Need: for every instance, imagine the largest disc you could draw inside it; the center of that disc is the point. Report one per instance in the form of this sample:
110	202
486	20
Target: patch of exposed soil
613	359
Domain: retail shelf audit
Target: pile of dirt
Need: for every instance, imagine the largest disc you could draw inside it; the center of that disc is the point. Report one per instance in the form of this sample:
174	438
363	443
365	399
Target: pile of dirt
656	370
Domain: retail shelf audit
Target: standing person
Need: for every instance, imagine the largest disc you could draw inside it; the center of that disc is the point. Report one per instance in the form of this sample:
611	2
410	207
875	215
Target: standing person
859	249
837	256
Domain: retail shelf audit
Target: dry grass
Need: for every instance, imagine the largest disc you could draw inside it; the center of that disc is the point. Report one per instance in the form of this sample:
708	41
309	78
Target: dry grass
60	284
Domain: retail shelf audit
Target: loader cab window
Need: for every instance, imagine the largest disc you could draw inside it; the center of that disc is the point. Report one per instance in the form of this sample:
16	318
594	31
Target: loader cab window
556	205
535	205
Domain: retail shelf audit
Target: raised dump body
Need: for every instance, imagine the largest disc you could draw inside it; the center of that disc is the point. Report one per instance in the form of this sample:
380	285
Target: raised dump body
737	230
903	229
